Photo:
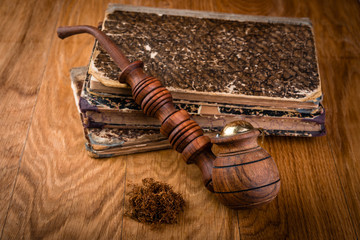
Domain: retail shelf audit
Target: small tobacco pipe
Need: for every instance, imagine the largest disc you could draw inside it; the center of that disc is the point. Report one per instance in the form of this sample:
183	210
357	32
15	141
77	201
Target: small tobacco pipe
243	175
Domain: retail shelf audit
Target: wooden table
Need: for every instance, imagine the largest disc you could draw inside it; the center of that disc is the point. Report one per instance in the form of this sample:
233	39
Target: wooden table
51	189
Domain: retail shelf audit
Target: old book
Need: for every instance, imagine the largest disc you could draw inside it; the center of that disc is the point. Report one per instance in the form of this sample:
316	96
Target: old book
109	142
122	112
114	141
223	58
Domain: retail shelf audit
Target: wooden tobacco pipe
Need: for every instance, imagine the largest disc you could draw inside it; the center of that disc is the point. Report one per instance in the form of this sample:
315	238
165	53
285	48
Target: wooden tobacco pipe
243	175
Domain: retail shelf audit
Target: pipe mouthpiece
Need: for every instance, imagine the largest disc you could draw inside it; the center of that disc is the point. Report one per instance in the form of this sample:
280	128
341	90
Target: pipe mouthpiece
60	32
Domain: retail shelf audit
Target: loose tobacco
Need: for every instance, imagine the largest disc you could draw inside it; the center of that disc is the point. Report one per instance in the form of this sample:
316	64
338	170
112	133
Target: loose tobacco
154	203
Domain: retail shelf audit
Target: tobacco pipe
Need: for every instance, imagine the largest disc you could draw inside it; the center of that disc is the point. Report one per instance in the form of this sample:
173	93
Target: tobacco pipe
243	175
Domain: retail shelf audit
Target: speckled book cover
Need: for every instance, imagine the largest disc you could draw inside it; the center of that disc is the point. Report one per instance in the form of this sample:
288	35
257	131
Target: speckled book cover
224	58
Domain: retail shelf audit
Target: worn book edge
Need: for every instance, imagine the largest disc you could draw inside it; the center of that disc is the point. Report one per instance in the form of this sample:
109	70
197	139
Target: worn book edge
107	116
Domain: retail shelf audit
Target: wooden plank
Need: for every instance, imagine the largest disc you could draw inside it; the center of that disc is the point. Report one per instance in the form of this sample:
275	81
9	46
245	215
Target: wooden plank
25	39
61	193
203	218
335	26
311	211
342	88
311	203
337	37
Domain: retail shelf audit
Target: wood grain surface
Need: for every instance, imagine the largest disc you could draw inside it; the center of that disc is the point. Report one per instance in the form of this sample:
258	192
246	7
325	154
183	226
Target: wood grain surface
51	189
21	71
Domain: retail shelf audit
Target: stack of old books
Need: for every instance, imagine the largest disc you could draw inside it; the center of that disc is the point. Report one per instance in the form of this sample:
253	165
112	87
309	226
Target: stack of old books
218	67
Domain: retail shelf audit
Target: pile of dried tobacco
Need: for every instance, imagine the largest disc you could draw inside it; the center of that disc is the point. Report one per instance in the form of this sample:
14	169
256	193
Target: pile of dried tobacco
154	203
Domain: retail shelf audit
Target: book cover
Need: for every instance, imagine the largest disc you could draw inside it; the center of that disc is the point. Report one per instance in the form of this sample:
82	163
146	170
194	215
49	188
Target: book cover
223	58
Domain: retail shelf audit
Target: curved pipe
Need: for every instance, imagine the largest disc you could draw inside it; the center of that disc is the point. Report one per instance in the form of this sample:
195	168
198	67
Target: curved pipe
110	47
239	176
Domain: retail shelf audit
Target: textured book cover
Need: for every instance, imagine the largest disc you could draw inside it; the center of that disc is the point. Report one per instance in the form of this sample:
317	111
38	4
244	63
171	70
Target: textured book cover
223	58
